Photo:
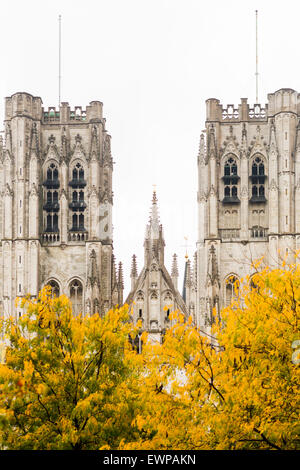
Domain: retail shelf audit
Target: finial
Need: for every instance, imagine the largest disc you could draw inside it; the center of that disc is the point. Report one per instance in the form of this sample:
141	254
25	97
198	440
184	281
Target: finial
114	271
188	280
174	272
244	132
186	246
154	198
120	276
134	267
201	146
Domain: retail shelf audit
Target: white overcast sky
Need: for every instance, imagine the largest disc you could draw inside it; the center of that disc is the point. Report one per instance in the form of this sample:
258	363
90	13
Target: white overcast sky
152	63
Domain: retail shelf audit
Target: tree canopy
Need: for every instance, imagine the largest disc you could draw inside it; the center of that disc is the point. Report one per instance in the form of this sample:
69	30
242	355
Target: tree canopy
73	382
235	389
65	382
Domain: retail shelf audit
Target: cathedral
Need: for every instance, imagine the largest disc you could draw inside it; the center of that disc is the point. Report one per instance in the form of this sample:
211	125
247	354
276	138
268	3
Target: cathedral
248	194
56	205
56	209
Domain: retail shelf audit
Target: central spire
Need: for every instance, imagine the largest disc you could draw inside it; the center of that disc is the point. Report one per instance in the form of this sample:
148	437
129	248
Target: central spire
154	239
154	219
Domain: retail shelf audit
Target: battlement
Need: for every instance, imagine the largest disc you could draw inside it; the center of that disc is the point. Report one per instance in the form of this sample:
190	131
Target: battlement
283	100
216	112
65	114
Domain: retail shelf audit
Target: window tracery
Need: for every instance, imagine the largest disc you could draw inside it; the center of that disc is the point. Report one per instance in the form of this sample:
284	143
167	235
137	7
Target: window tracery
55	290
230	179
76	296
77	204
51	206
231	289
258	177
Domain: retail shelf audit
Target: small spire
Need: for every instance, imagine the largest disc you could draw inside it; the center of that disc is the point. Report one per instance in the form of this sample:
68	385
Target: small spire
134	273
195	268
114	272
188	278
92	269
94	142
202	143
174	272
120	277
212	149
244	133
64	144
273	142
154	225
34	138
187	282
154	209
8	136
201	153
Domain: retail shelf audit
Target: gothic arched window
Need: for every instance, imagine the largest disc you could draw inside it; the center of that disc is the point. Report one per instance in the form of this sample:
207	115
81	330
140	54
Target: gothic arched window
258	232
54	288
51	206
231	289
77	205
76	296
230	167
257	177
78	180
230	179
254	285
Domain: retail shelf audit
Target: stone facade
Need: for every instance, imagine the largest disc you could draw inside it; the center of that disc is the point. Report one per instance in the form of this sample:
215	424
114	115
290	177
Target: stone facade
154	294
248	194
56	205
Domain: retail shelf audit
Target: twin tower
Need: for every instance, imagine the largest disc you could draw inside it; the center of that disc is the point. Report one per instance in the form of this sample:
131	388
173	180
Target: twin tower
56	208
56	205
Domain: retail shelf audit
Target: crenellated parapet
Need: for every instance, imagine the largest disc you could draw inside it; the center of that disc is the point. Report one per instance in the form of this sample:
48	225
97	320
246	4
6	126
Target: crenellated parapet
65	115
283	100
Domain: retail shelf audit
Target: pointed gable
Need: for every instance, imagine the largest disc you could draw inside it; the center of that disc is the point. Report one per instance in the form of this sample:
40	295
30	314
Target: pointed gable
153	291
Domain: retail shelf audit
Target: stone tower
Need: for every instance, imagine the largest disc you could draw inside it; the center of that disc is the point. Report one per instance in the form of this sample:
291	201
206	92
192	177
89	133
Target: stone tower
56	206
154	293
248	194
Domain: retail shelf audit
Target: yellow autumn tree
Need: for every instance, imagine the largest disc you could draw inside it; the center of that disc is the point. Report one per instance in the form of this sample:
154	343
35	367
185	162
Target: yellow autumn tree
75	383
236	389
67	382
